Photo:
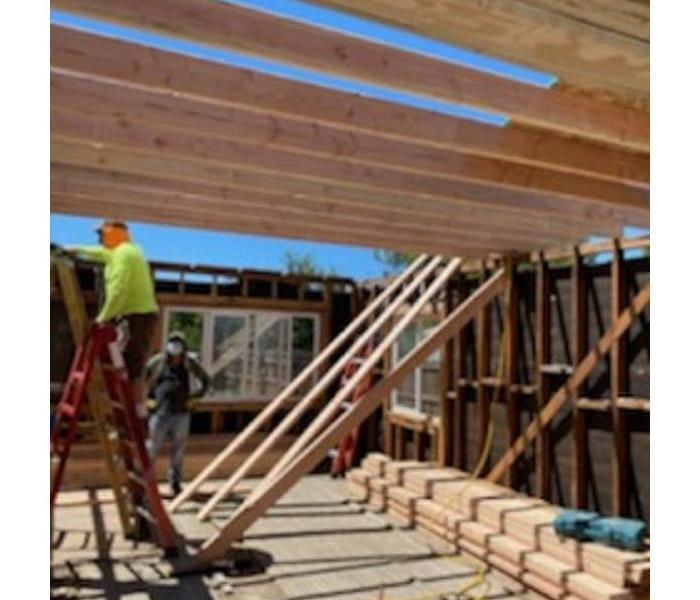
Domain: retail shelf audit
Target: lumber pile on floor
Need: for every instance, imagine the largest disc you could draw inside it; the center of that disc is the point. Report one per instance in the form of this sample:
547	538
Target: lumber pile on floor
511	532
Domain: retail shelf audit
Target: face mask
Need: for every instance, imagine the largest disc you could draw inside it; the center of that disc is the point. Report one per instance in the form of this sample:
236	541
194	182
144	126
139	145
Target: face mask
174	348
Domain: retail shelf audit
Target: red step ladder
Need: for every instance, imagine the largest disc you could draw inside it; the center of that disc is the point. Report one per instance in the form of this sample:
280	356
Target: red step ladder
129	445
344	454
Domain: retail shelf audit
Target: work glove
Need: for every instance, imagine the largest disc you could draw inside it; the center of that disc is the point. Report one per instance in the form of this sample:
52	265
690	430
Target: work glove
152	404
192	403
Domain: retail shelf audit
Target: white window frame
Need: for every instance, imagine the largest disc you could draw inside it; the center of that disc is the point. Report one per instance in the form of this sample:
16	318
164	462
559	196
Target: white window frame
210	313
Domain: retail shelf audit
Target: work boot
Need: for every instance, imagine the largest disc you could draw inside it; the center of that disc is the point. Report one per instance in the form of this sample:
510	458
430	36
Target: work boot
176	488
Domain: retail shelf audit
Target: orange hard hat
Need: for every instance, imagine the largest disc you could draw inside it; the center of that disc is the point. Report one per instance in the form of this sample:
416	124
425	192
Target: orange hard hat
113	233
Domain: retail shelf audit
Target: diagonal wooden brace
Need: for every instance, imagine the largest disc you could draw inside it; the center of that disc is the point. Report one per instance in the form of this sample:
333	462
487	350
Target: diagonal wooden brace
582	370
255	506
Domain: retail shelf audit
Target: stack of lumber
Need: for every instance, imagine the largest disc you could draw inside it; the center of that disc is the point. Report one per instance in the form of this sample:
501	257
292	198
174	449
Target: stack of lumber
374	464
511	532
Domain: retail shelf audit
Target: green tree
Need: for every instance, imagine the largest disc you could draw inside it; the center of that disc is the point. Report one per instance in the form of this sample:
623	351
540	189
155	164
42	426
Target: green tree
394	261
296	263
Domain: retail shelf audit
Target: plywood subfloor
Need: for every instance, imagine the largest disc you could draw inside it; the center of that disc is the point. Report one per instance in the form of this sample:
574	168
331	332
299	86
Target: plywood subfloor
314	544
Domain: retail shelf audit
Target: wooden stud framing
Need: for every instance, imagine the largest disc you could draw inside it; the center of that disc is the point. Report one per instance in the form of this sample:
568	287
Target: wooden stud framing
543	450
619	326
621	463
579	340
461	399
484	400
510	374
445	449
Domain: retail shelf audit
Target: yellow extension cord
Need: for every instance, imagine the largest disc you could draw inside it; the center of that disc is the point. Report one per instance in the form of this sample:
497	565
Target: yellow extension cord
479	579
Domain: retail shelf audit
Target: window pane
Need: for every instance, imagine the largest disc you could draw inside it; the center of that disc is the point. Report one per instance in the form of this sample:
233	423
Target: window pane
273	359
191	324
405	394
229	357
303	336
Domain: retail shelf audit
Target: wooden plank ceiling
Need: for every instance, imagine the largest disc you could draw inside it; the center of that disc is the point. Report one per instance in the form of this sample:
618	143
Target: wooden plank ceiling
144	134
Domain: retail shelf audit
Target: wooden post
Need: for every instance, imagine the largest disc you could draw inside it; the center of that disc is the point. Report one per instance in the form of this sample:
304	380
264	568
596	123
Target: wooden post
460	401
446	438
579	339
388	430
483	402
618	387
543	354
510	338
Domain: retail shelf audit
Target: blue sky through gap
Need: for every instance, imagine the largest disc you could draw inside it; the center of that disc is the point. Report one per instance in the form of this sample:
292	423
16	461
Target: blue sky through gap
204	247
274	68
194	246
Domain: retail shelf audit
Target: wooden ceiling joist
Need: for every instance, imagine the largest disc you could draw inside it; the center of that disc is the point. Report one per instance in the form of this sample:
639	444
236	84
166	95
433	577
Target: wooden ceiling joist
376	179
601	46
115	186
121	165
257	33
180	76
132	106
149	208
282	221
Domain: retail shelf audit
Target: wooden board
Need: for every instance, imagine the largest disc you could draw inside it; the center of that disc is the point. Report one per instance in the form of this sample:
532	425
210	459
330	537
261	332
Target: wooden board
83	54
598	45
325	50
634	203
133	107
247	514
79	172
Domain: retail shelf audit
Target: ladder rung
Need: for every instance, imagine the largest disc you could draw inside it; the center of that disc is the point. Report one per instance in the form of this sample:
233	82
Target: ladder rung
346	405
136	479
143	512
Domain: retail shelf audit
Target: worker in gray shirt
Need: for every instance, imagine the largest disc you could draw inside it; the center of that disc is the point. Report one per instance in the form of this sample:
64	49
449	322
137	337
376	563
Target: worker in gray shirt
176	382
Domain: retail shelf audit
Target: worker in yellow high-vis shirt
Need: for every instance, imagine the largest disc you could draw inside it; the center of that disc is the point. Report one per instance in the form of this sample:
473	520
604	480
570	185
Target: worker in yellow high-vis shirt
129	298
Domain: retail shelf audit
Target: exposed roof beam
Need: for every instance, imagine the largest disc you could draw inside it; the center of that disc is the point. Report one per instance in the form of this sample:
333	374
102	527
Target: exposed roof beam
130	105
386	220
118	162
169	142
261	34
601	46
225	86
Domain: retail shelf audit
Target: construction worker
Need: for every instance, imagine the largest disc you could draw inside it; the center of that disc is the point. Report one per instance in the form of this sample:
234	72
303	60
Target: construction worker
129	298
176	383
